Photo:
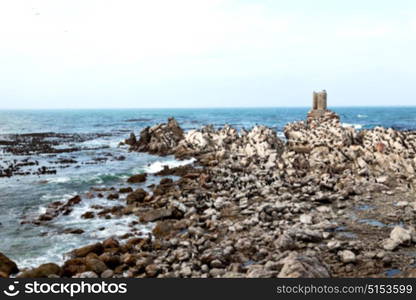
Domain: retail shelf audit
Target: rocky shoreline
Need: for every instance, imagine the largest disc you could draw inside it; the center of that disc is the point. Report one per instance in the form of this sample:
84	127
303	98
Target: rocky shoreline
329	201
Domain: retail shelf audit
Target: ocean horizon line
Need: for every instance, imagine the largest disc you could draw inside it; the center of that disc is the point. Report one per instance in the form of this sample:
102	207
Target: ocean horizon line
202	108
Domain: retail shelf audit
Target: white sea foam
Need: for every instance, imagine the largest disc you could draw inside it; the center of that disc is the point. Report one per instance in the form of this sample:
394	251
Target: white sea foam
159	165
362	116
356	126
281	135
59	244
59	179
98	143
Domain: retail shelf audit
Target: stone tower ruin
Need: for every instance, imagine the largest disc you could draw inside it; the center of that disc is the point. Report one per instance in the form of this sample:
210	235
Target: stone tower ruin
319	100
319	104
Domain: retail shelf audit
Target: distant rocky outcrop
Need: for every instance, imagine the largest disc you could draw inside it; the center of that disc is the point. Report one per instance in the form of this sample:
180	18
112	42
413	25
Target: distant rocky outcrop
210	145
160	139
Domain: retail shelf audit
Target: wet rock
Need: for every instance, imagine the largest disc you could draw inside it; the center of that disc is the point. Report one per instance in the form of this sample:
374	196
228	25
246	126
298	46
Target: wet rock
113	196
125	190
7	266
137	178
111	260
74	266
96	265
96	248
131	140
137	196
160	139
74	231
43	271
110	243
88	215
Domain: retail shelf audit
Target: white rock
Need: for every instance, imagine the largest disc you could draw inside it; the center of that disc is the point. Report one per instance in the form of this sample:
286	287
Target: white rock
400	235
306	219
390	244
347	256
402	203
333	245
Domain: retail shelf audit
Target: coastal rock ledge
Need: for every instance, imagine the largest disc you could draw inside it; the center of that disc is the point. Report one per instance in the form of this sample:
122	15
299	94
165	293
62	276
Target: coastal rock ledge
321	203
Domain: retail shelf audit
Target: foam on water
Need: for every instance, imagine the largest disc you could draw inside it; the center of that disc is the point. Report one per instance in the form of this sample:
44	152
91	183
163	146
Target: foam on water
159	165
59	179
55	244
356	126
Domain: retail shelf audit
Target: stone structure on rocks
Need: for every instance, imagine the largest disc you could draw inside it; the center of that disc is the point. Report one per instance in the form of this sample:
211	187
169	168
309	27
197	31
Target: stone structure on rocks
319	104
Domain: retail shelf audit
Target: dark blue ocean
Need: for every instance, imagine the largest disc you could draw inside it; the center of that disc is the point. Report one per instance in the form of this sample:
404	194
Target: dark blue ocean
27	196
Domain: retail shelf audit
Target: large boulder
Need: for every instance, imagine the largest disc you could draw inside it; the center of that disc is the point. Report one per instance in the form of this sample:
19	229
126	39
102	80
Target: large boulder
157	214
398	236
137	178
43	271
303	266
160	139
96	248
7	266
74	266
137	196
95	265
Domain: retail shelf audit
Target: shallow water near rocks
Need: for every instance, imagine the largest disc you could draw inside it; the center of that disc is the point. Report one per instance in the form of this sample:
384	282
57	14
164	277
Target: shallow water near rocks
365	207
392	272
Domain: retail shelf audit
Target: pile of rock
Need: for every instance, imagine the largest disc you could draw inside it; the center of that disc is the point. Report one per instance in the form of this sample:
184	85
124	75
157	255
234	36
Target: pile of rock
160	139
259	207
378	156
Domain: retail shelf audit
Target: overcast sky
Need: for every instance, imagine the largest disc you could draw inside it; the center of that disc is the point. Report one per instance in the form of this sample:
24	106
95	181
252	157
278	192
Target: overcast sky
206	53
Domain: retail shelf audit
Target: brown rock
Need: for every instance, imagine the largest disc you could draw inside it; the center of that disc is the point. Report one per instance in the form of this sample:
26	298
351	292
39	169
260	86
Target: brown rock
7	266
74	200
43	271
125	190
156	214
96	265
136	196
131	140
111	260
74	231
74	266
152	270
88	215
107	274
137	178
111	243
163	228
113	196
96	248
